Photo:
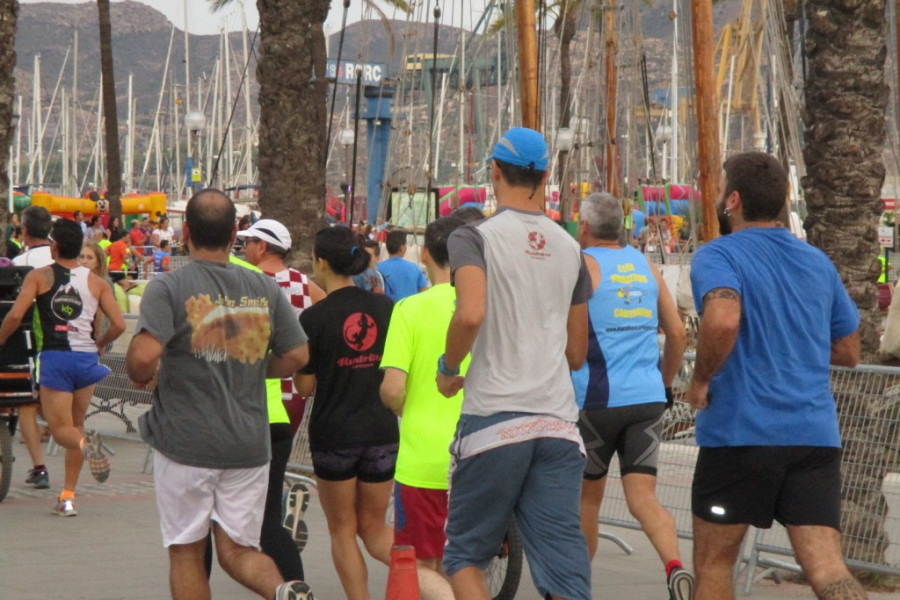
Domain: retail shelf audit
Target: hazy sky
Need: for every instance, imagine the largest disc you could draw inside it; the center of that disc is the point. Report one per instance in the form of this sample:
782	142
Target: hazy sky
202	20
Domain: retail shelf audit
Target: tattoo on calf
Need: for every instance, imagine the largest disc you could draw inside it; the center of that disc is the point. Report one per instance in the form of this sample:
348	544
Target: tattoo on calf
843	589
722	292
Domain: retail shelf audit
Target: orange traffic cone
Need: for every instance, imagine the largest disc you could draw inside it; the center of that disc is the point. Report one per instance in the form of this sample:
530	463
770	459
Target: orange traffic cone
403	580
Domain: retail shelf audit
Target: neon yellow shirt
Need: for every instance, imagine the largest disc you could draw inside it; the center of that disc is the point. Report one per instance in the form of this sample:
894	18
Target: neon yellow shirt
415	341
277	411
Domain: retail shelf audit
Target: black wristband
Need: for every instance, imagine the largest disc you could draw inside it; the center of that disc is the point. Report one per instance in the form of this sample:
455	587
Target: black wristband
670	398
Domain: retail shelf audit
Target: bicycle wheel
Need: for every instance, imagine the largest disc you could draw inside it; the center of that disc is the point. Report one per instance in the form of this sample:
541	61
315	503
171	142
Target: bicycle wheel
505	570
6	458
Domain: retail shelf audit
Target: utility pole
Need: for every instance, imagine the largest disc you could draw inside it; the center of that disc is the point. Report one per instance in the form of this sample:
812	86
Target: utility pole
707	112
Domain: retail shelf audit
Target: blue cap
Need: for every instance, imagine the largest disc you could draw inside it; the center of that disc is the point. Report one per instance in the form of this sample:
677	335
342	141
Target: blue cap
522	147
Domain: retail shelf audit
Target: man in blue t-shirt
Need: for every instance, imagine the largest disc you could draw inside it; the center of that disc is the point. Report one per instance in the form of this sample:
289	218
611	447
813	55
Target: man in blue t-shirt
401	277
774	316
160	258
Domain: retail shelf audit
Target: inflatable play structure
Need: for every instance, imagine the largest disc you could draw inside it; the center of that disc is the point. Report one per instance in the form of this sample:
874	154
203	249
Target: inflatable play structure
461	196
65	206
658	200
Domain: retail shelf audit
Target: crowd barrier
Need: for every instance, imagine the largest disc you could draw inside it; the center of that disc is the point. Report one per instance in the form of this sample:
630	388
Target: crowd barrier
868	400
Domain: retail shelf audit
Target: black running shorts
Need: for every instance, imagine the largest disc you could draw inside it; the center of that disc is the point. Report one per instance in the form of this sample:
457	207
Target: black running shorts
754	485
631	431
369	464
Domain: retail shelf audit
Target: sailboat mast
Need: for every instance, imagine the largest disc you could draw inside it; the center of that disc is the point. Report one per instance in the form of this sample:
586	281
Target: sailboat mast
248	115
674	115
187	73
73	116
707	125
129	139
528	64
64	145
229	163
612	78
98	152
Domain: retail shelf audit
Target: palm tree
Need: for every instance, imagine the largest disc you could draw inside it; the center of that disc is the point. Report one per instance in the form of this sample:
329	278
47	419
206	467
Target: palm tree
846	99
110	114
293	116
9	13
292	93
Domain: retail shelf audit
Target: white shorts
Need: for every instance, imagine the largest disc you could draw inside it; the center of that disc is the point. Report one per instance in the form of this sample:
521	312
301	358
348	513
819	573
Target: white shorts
188	498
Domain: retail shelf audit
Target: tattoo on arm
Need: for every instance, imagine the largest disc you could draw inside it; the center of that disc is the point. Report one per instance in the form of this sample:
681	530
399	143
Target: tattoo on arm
722	292
842	589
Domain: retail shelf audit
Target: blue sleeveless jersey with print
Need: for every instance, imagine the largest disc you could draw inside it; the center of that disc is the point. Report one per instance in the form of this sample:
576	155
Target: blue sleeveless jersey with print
622	366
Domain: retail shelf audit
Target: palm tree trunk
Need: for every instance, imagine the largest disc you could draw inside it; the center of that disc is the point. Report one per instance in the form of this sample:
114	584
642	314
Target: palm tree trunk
110	114
9	13
292	91
846	98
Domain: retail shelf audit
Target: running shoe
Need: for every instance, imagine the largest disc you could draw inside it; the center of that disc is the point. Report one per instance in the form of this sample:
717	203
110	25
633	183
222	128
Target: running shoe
38	479
293	590
296	502
93	453
681	584
65	508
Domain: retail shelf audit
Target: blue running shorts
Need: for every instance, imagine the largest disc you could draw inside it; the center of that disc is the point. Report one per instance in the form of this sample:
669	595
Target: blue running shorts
68	371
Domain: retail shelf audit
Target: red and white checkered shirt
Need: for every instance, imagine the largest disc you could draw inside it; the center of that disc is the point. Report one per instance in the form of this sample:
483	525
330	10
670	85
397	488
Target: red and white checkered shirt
295	286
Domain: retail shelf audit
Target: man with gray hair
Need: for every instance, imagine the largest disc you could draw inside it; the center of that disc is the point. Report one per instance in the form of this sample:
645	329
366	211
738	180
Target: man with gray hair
620	390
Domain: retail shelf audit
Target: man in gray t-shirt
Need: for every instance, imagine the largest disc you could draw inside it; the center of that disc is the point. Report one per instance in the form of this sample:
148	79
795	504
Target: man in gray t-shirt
203	341
522	290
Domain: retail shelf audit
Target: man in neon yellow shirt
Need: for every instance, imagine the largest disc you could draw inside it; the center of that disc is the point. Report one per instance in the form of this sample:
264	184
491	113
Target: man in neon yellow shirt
415	342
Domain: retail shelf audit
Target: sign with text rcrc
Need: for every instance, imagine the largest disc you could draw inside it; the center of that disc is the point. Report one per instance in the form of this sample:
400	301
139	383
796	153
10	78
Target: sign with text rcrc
372	73
890	203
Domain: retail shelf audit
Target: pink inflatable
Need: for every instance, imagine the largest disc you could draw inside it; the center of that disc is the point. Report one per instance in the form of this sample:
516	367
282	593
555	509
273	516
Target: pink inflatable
463	195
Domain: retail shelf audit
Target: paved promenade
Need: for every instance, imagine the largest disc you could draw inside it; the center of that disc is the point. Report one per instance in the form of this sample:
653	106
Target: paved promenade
113	551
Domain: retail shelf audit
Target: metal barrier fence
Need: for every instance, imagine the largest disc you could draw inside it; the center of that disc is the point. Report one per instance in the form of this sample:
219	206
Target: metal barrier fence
868	401
115	394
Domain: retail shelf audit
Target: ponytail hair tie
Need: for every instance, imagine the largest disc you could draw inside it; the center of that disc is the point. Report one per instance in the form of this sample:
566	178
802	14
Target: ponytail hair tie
354	250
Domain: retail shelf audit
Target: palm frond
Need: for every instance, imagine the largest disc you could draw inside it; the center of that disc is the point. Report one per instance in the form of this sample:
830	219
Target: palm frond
387	25
219	4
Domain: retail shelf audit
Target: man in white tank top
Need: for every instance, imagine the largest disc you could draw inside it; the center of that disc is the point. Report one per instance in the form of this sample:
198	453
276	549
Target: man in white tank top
68	297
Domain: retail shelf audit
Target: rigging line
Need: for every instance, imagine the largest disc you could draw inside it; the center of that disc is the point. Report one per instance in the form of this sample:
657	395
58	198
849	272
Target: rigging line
649	122
336	67
227	128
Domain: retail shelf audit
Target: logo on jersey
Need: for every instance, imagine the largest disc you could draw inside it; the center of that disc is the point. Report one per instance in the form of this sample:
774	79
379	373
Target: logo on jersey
66	303
536	240
360	331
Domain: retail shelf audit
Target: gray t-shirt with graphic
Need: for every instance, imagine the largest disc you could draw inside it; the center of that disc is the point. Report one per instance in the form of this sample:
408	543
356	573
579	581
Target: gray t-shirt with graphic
216	322
534	272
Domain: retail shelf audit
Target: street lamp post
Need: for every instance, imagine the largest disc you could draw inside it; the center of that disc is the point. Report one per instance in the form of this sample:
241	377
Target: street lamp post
565	142
347	139
13	125
195	122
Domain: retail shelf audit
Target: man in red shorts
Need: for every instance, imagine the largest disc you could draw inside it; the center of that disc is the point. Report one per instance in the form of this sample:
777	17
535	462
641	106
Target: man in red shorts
415	342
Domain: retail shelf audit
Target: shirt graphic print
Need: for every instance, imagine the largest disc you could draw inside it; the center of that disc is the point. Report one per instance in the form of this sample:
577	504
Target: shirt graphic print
226	328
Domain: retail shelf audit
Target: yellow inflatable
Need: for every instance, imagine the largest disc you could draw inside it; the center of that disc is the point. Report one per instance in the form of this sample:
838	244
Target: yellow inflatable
63	205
